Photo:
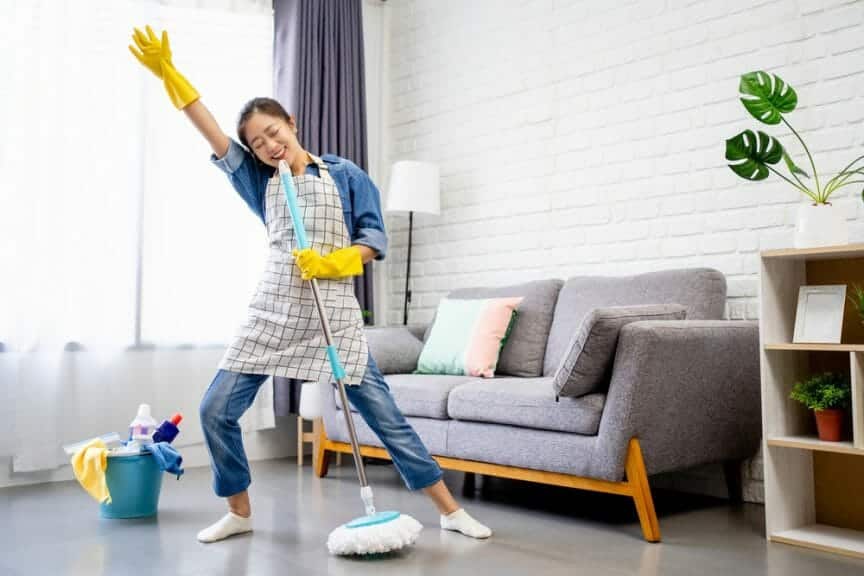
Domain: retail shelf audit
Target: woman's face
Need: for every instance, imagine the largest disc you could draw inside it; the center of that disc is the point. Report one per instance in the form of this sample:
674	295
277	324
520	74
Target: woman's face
273	139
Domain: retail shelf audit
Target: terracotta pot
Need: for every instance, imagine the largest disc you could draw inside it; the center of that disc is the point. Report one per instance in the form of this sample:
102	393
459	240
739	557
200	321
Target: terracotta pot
829	423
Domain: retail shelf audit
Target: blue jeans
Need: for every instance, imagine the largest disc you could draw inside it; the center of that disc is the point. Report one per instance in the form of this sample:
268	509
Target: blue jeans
231	393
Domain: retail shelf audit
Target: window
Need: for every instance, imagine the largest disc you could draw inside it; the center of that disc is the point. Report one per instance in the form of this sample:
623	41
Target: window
115	230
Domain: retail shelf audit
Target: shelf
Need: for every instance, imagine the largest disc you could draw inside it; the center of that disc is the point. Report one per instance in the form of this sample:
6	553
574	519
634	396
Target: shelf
813	443
812	487
824	253
817	347
825	538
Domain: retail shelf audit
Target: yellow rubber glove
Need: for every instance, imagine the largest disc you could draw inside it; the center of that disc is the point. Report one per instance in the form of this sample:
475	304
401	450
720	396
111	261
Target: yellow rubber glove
155	55
338	264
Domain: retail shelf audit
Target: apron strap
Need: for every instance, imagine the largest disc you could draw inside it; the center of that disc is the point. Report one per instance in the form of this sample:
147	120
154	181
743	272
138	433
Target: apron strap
319	162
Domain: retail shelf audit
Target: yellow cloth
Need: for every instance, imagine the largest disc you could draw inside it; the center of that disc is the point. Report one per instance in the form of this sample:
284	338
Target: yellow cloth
155	55
89	464
338	264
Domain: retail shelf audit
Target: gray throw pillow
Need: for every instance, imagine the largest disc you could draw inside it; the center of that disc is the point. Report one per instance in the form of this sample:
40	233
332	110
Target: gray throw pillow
394	348
589	358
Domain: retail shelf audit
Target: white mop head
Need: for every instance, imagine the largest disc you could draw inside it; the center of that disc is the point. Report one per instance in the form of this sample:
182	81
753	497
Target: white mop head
371	535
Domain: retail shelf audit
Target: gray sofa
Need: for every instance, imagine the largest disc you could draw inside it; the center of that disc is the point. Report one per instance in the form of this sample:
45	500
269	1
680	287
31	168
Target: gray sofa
675	393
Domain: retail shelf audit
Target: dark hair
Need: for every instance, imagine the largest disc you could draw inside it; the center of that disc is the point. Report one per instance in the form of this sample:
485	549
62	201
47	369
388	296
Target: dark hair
267	106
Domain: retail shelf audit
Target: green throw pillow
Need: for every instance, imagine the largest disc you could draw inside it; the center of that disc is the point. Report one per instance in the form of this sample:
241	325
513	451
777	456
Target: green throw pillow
467	336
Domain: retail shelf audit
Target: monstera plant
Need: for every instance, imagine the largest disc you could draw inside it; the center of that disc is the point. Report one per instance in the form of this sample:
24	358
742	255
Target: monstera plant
753	155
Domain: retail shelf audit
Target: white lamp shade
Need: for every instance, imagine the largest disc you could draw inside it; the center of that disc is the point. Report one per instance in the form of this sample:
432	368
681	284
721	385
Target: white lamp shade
414	187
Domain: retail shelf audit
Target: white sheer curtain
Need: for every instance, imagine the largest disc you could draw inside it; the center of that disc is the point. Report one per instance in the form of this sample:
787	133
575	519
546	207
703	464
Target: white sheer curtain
115	230
203	248
68	169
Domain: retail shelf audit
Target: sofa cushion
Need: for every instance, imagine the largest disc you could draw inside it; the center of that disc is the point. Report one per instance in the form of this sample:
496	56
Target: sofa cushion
702	292
467	336
588	362
419	394
395	349
525	347
525	402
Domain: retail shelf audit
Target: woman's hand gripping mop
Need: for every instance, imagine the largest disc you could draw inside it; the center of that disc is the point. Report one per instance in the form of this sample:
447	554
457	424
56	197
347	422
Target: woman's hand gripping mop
376	532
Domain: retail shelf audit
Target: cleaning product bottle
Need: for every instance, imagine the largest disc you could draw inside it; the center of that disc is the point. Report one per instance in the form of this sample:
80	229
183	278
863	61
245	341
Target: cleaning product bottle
168	430
142	427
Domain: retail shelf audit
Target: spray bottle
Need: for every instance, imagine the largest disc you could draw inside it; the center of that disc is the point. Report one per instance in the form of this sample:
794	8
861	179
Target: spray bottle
168	430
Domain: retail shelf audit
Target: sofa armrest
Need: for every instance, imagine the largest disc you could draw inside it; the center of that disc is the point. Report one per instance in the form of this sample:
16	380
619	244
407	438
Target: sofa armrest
689	390
395	349
419	330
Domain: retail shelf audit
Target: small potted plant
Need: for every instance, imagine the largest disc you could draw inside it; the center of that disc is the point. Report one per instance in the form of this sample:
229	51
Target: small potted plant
752	155
828	395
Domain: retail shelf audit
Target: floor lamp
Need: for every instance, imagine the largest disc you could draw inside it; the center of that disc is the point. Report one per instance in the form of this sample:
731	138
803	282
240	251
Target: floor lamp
414	187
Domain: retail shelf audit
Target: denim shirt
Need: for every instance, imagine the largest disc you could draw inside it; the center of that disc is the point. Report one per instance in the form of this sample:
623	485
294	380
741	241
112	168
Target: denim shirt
361	202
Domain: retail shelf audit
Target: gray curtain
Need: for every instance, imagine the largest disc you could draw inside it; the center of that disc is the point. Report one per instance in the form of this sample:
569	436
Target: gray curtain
318	63
332	94
318	67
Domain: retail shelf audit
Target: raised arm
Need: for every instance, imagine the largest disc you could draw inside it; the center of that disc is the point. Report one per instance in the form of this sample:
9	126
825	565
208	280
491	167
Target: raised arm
155	55
206	124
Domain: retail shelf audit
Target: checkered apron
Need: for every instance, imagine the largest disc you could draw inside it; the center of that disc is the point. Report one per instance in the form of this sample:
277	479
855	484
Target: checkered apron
282	334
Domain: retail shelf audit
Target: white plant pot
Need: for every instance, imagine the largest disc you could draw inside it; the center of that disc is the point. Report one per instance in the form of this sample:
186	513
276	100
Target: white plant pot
311	400
820	225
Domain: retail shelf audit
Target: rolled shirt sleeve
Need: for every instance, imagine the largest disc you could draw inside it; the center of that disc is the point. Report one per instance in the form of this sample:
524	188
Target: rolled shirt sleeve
367	219
247	175
233	159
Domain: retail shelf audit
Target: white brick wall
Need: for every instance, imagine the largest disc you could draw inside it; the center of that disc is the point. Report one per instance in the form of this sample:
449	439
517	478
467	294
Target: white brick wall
585	137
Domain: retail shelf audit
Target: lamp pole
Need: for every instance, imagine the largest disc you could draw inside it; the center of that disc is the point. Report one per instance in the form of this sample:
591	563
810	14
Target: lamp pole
414	187
408	269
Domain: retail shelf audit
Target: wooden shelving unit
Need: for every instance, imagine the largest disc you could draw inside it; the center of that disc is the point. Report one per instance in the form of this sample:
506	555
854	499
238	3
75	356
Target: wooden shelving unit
812	443
813	489
817	347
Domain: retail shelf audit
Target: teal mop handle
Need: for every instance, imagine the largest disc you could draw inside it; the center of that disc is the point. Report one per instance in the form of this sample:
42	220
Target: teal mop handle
332	354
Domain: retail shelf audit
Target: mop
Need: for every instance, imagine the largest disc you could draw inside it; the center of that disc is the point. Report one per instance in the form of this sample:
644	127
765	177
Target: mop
376	532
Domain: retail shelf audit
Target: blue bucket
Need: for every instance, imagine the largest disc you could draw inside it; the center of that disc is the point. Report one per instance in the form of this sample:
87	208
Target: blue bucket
134	482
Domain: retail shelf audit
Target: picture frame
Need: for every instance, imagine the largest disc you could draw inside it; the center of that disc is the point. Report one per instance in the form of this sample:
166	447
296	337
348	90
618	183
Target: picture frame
819	318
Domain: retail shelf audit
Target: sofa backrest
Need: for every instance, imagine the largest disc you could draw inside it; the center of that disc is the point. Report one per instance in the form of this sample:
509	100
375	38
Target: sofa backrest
525	349
702	291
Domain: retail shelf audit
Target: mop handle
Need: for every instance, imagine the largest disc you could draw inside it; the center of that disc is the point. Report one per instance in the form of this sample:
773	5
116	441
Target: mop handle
332	355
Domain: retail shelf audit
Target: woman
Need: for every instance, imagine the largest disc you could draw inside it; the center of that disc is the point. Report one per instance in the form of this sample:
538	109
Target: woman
342	214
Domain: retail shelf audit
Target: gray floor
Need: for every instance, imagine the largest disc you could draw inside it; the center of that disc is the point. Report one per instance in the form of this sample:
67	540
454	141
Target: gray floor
55	530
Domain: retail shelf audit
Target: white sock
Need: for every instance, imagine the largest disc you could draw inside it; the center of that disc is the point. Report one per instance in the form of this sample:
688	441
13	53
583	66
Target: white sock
228	525
461	521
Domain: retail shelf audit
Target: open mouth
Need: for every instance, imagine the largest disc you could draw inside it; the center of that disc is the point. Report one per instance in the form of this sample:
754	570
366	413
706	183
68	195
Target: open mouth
280	155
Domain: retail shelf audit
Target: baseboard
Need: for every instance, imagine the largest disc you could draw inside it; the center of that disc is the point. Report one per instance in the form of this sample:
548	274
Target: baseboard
279	442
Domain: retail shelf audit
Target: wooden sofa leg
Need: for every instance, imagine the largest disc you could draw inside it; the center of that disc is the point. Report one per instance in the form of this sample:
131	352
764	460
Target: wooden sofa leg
321	456
637	478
